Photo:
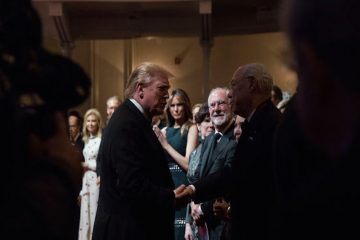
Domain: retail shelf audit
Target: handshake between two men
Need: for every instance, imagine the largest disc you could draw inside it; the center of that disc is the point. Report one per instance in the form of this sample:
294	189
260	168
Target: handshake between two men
183	195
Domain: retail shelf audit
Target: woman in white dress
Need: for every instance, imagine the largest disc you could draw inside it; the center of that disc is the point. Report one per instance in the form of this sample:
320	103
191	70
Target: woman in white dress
89	193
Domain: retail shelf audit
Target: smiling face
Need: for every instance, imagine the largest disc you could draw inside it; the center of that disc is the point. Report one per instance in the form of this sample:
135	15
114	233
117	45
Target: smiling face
92	125
219	108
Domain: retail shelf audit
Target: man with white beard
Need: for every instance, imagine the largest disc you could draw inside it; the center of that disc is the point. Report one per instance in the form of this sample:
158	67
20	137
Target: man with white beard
218	151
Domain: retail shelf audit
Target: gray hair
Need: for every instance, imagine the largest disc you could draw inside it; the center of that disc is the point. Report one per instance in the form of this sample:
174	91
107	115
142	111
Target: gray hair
113	98
144	74
262	78
225	89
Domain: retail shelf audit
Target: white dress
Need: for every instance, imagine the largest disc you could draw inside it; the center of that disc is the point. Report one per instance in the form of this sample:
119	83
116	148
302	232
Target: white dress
90	191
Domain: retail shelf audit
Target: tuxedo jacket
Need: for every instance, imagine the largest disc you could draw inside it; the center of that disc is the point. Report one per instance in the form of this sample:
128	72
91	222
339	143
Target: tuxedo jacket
136	199
249	179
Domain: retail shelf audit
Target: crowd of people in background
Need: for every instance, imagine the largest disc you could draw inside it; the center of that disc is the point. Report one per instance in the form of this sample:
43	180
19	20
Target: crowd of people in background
246	164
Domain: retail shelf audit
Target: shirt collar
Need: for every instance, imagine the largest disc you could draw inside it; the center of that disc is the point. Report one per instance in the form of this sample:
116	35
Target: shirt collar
227	127
137	105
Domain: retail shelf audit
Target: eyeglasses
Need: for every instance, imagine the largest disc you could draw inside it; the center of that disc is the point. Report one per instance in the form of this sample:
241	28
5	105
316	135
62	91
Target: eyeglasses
220	103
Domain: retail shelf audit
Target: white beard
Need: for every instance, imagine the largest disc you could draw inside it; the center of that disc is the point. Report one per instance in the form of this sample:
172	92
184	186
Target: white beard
219	120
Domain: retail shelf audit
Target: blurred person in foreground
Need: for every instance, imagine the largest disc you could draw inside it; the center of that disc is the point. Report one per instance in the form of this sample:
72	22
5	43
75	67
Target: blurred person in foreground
136	200
317	149
41	172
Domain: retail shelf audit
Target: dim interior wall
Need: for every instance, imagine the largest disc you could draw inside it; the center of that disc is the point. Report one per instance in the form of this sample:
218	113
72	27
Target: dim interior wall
233	51
181	56
104	61
107	72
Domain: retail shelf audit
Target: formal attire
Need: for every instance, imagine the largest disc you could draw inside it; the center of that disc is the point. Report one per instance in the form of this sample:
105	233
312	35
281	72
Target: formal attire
249	180
136	190
90	191
178	141
218	151
317	197
79	143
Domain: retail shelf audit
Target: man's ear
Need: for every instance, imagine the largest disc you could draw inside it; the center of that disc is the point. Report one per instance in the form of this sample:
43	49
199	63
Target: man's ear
252	85
140	90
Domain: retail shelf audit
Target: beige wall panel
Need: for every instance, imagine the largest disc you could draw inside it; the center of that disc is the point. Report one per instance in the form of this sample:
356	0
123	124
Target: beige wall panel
187	73
107	72
81	55
164	51
230	52
104	61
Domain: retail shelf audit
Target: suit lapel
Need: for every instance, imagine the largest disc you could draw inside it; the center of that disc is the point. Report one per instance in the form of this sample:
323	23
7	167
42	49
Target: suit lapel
220	148
149	133
206	153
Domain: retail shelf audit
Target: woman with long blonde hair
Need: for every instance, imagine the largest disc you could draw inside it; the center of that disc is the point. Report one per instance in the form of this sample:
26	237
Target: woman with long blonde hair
89	193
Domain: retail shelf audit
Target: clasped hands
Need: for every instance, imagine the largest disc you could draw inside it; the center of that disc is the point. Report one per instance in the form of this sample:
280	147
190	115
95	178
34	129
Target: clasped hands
183	195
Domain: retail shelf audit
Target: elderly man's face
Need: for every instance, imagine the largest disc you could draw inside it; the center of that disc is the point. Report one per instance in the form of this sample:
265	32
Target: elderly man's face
240	93
219	109
112	105
156	95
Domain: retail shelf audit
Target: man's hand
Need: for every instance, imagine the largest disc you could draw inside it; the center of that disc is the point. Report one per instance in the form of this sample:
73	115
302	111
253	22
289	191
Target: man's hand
182	195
